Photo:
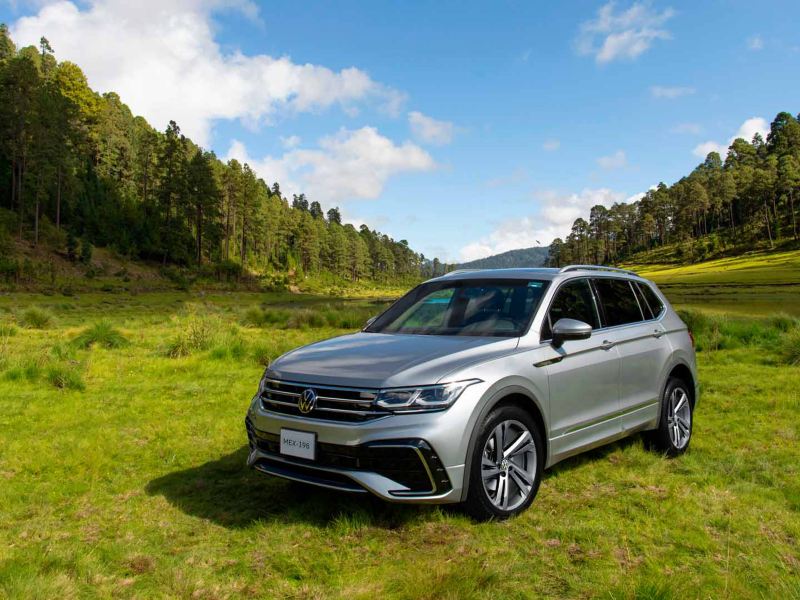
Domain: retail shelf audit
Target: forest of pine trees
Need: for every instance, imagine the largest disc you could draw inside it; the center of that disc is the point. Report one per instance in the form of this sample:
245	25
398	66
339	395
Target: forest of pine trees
75	164
748	199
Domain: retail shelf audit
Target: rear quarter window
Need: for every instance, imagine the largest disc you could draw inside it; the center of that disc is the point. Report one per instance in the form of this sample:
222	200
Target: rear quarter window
618	302
654	303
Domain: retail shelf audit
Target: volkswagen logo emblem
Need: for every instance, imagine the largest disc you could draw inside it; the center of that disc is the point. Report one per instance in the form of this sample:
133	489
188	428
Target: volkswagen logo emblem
307	401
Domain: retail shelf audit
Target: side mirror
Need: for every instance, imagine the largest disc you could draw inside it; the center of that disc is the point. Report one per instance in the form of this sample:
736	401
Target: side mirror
369	322
570	329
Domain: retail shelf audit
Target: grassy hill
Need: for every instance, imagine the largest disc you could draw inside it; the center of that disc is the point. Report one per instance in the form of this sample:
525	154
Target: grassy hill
754	283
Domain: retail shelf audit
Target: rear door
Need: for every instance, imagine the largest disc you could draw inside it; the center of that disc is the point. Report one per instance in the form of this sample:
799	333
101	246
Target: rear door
583	375
629	323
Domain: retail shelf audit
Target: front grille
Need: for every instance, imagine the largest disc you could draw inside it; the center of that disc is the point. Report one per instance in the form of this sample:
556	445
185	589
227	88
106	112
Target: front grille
350	405
411	463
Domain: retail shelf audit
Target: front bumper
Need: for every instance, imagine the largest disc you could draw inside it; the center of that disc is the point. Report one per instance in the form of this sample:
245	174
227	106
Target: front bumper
413	458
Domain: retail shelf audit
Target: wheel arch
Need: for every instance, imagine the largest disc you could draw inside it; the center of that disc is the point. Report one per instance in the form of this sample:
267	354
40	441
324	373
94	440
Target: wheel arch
684	373
508	396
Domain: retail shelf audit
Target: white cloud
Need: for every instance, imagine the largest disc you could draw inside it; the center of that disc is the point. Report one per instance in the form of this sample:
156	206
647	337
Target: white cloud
162	58
755	43
291	141
613	161
554	219
693	128
551	145
670	93
350	165
746	131
623	35
430	130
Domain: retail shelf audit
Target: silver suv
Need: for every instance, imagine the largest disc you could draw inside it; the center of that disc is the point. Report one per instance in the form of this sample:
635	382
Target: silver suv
473	383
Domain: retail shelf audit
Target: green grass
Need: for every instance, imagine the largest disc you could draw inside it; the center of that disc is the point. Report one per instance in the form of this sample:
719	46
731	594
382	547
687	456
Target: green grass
757	283
102	334
122	475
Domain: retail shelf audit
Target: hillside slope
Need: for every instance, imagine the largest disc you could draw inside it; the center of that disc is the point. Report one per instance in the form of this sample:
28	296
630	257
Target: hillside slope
524	257
755	283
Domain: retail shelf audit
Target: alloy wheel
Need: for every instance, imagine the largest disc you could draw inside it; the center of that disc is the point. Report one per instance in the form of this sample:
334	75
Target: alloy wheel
679	418
508	465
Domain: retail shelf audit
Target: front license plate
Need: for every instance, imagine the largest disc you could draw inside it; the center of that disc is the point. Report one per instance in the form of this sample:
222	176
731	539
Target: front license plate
301	444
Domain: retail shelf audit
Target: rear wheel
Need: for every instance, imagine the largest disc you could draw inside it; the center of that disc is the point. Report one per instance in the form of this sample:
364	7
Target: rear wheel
506	465
675	425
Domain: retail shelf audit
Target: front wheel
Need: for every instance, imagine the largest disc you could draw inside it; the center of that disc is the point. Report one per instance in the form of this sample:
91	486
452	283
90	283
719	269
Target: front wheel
675	425
506	465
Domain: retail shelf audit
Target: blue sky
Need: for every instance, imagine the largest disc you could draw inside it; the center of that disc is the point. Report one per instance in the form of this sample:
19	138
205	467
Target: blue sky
466	128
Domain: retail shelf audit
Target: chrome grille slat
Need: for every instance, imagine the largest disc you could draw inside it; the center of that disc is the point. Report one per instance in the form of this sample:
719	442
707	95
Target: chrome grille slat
325	409
350	404
282	393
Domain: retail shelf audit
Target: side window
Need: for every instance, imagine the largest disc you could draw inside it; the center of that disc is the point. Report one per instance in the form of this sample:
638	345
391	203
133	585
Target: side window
652	299
648	314
573	301
618	301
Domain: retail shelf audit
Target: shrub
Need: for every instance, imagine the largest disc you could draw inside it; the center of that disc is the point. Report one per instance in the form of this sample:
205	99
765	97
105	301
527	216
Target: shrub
789	349
64	377
262	354
783	322
102	334
256	317
36	318
86	252
198	335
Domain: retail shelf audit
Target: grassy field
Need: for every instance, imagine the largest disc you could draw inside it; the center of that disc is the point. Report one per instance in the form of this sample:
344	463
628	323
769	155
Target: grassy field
754	284
122	472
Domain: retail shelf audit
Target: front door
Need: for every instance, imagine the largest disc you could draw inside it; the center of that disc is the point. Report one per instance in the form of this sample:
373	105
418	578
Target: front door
583	376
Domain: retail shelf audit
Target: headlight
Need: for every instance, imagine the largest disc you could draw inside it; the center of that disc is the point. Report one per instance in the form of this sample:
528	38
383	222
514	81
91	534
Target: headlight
421	398
262	383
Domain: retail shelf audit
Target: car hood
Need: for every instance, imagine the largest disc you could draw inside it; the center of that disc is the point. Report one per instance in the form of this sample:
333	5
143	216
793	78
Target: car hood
377	360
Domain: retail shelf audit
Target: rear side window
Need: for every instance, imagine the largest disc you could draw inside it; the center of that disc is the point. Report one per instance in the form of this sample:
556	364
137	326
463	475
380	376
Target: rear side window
651	299
574	300
618	302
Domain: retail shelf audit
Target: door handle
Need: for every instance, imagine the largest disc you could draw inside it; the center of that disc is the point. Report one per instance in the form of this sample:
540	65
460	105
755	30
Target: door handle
658	333
607	345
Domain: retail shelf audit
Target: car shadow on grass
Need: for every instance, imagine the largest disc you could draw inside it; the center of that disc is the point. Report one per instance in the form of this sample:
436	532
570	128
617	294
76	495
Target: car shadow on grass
228	493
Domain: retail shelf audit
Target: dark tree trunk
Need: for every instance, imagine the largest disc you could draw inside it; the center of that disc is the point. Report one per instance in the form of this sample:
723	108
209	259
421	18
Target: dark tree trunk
58	201
766	218
199	233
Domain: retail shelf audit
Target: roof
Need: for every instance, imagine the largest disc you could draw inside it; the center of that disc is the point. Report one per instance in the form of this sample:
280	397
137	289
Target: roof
544	273
541	273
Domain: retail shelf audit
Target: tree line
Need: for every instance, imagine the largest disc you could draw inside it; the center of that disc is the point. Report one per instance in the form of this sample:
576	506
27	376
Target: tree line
75	163
747	199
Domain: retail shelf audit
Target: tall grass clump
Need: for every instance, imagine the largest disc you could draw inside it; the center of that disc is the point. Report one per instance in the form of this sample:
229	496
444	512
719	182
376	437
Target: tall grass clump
257	317
262	354
720	332
789	349
784	323
102	334
64	377
7	330
198	335
35	318
229	345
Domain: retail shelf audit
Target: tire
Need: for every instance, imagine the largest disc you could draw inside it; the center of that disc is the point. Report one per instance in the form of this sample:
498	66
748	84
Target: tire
672	437
517	470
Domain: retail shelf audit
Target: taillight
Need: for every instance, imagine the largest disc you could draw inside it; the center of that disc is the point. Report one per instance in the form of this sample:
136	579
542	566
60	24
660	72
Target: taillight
691	336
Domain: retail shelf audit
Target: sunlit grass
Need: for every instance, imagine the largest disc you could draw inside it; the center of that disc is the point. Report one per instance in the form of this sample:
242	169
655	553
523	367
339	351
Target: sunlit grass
130	480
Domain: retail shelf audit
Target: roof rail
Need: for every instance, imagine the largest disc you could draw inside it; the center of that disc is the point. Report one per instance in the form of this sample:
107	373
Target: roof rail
459	271
595	268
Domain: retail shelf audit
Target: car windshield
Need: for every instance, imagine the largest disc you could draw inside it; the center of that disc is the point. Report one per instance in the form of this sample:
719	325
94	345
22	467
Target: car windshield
485	307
